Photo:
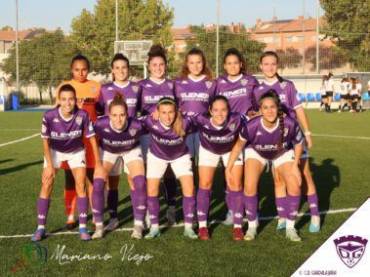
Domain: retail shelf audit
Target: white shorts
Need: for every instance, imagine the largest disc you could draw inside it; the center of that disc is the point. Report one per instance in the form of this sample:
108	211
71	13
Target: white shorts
120	160
74	159
207	158
288	156
144	143
192	142
156	167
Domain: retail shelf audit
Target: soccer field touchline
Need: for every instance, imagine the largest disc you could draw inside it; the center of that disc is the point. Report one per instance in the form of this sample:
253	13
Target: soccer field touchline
341	136
19	140
264	218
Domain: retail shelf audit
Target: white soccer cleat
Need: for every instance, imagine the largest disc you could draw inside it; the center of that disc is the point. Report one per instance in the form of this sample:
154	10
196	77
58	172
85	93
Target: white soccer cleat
99	232
292	235
229	220
137	233
251	233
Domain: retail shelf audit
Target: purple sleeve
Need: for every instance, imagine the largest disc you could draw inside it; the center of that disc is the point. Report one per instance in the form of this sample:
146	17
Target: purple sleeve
244	134
293	96
45	130
88	127
297	134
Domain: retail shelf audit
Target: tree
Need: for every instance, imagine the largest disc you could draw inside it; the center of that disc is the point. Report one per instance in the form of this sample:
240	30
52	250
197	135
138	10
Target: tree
330	57
348	23
94	32
6	28
44	60
206	40
289	57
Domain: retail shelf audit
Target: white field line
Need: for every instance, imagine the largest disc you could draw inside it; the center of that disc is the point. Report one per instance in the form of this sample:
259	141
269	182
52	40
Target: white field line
341	137
19	140
19	130
265	218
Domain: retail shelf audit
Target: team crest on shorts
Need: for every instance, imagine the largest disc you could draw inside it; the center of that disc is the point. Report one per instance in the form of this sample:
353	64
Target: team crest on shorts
135	89
350	249
243	82
132	132
78	120
208	84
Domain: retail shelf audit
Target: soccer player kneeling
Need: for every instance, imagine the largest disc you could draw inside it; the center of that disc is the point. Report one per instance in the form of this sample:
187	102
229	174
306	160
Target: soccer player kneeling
63	130
270	137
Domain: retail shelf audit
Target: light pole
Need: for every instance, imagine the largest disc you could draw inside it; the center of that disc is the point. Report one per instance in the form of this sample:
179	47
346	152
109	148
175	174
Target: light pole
317	36
217	36
16	47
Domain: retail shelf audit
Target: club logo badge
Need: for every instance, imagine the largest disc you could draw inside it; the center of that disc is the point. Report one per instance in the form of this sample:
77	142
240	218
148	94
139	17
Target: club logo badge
208	84
79	120
244	82
135	89
132	132
350	249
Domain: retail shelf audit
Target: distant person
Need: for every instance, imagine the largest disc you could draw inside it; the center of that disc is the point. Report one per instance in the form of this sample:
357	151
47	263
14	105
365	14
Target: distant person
323	92
329	92
344	94
359	89
354	95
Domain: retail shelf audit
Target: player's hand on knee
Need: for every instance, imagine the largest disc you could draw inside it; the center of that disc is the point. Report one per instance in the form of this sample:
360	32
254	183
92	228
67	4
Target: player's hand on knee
309	142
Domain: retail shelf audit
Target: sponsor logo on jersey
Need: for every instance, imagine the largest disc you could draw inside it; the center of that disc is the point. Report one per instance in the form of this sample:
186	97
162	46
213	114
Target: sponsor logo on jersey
350	249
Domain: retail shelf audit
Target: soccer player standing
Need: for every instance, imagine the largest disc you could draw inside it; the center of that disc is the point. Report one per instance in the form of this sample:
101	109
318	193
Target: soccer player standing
63	130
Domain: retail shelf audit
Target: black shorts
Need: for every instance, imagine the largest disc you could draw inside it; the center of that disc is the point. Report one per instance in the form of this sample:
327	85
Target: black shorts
344	96
323	96
354	97
329	94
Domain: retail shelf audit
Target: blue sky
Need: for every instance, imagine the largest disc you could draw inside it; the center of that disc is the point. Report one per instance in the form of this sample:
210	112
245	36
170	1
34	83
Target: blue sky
52	14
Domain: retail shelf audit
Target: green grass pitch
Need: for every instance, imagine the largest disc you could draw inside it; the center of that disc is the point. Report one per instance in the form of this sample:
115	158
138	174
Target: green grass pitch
339	167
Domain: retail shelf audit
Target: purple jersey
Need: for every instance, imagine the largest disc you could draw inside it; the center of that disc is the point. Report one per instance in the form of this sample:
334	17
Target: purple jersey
116	141
219	140
287	94
266	141
130	92
66	135
152	92
194	96
164	142
239	92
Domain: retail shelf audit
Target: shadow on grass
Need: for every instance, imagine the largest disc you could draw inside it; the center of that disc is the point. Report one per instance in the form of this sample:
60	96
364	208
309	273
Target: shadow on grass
19	167
326	177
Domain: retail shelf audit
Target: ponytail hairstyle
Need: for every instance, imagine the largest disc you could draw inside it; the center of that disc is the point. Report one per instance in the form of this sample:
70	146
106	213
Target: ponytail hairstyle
276	56
236	52
272	94
177	125
67	87
118	100
205	71
80	57
157	51
118	57
218	98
